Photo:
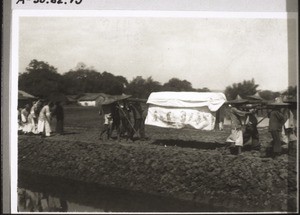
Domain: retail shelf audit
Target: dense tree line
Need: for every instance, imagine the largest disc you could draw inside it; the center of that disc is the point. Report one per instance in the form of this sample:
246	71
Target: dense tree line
41	79
249	87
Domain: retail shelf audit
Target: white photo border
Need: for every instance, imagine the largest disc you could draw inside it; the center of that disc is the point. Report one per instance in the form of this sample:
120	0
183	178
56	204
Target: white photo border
14	62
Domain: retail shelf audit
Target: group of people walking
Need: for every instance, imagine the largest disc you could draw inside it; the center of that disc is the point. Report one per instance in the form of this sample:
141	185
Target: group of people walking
36	118
244	127
125	117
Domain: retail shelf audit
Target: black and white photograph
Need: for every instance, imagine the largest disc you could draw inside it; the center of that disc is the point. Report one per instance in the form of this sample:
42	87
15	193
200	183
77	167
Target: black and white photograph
154	111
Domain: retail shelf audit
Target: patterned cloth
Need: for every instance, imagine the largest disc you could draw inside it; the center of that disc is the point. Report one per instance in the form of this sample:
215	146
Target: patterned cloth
199	118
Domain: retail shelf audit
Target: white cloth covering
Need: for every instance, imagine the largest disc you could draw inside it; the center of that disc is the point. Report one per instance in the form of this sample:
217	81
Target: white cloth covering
184	109
187	99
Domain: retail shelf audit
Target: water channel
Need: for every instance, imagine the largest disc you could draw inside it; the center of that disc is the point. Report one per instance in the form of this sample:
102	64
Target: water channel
49	194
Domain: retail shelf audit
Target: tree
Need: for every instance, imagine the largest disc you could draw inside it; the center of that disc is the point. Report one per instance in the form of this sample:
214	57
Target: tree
40	79
204	89
151	86
175	84
113	85
291	91
122	80
88	80
244	89
142	88
82	80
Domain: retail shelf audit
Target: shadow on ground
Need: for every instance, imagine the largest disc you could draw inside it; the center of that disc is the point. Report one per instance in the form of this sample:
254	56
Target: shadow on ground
189	144
69	133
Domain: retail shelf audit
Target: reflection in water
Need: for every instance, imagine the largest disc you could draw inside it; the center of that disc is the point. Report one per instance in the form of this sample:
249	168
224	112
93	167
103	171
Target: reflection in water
47	194
29	201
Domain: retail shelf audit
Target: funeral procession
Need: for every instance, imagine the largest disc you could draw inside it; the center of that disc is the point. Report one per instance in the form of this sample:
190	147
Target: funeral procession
192	145
159	114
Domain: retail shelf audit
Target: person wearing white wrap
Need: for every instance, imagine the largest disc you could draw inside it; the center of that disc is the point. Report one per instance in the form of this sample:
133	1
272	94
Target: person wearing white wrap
44	127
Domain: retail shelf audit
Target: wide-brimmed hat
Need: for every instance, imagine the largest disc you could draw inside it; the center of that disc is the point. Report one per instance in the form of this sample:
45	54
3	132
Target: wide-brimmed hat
256	96
238	100
278	103
289	99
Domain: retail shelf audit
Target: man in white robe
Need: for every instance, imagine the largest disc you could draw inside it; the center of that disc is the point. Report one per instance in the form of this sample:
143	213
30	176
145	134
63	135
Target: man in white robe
44	120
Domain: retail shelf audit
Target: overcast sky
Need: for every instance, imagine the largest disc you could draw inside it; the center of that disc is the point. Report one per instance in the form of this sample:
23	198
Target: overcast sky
208	52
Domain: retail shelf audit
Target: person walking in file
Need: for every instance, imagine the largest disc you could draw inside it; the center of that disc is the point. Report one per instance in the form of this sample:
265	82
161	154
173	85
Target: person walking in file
106	112
236	116
59	114
251	132
44	127
276	122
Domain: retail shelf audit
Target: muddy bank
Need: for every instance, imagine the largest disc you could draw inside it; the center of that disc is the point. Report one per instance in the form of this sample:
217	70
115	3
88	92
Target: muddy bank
243	183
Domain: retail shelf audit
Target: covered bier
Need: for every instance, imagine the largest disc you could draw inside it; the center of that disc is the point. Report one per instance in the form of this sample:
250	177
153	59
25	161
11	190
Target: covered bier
184	109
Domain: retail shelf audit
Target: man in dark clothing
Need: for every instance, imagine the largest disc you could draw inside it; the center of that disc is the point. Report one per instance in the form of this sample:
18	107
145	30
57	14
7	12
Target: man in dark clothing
276	121
142	129
59	114
251	132
137	111
125	127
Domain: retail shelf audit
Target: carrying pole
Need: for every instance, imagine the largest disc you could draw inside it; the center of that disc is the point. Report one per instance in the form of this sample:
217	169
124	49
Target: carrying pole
135	131
263	118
